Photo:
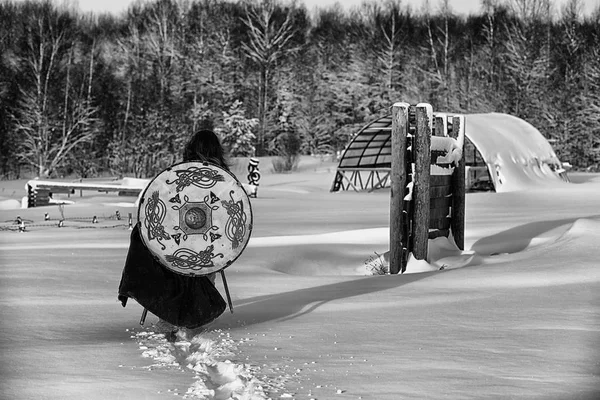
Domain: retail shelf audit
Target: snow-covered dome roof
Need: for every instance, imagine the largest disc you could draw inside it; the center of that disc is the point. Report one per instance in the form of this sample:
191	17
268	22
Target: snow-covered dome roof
517	154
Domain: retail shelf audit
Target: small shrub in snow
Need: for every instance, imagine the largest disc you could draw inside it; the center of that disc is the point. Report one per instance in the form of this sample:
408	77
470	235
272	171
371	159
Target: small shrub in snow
376	265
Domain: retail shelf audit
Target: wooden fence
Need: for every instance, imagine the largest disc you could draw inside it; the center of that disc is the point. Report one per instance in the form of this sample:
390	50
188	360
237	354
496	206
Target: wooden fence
427	181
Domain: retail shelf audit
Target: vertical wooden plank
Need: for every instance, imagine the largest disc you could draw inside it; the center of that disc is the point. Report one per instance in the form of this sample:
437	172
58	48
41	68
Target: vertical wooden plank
422	149
441	126
458	186
398	183
30	196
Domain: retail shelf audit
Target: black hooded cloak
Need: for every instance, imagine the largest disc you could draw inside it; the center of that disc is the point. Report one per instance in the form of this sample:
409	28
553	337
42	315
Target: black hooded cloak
181	300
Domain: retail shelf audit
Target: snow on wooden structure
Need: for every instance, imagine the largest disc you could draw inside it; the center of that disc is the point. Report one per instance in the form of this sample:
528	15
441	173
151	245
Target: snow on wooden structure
516	154
39	192
427	198
501	152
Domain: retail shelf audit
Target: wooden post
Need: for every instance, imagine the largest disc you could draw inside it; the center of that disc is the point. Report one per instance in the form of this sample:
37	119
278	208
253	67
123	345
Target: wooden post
457	224
30	196
422	151
441	126
398	183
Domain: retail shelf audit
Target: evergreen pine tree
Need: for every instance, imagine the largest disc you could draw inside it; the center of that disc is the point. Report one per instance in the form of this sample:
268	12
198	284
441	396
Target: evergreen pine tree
237	131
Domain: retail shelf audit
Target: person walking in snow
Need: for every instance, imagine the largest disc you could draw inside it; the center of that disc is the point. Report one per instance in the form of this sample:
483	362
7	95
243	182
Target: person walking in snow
179	300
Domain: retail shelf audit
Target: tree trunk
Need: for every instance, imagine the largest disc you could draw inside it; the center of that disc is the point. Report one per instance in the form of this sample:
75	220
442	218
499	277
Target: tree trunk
262	111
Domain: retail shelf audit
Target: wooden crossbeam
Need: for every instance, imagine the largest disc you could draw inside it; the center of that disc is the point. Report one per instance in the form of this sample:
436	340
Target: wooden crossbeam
349	181
381	182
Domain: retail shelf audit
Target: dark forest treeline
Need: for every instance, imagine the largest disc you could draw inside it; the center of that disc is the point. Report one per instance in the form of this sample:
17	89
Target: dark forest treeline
83	93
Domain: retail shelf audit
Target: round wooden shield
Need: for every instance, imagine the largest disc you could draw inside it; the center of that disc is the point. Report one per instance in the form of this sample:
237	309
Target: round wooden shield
195	218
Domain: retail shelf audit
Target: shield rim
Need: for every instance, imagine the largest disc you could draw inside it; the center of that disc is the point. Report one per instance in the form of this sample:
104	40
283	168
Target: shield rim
239	184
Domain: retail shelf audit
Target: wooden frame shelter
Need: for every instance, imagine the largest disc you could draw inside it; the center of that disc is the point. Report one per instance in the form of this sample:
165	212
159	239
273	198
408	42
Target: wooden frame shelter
366	162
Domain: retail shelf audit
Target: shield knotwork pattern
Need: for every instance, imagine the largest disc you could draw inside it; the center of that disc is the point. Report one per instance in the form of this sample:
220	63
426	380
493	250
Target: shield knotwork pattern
197	218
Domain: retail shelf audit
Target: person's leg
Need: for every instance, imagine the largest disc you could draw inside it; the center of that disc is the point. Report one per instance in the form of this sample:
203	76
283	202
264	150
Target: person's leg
166	328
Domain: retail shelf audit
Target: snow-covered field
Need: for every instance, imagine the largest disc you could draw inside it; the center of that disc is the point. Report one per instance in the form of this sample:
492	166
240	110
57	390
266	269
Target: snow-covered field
516	315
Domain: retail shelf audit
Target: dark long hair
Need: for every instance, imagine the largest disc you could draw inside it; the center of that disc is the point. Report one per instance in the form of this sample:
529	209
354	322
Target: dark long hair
204	145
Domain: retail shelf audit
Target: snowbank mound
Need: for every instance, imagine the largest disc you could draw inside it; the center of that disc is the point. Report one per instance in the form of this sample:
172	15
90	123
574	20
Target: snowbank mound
521	241
9	204
442	254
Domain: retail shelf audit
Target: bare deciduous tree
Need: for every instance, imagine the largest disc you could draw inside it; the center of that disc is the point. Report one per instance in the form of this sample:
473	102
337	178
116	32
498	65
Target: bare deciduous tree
50	133
526	59
268	43
439	49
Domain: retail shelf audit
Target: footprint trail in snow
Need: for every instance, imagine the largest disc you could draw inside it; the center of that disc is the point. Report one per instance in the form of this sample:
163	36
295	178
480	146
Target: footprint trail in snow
217	375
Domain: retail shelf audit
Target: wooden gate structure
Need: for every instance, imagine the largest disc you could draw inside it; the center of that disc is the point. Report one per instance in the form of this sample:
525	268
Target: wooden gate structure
427	197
